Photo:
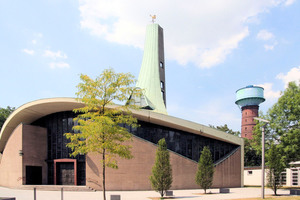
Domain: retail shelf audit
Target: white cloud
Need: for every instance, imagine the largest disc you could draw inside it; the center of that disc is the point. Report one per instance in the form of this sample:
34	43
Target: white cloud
55	65
269	37
289	2
217	55
200	32
272	95
28	51
54	55
269	93
269	47
264	35
39	35
292	75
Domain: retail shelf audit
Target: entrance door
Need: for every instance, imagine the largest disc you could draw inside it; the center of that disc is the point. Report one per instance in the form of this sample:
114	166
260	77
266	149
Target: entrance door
65	173
33	175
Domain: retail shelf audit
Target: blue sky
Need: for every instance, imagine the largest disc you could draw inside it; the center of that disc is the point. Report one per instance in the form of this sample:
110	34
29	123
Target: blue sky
212	48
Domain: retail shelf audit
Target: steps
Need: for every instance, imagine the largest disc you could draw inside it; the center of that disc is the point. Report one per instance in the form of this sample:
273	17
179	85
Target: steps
56	188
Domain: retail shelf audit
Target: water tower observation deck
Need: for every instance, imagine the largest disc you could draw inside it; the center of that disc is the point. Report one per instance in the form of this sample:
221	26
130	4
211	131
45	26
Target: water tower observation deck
249	96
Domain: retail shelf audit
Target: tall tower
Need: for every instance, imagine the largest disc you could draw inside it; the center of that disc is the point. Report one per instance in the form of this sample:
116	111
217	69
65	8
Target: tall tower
152	73
248	99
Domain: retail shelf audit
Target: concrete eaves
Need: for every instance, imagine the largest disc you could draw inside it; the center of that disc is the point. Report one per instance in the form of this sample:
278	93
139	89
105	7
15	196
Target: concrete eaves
34	110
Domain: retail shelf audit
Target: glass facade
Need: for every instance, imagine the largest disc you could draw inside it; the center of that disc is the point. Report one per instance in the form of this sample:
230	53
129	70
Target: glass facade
57	124
186	144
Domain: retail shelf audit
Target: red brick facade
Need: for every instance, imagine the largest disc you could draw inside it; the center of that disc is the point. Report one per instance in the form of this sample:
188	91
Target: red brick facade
134	174
27	146
248	113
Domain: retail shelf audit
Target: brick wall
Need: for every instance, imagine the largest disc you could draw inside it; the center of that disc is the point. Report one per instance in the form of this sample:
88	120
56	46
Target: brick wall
11	162
27	145
134	174
35	149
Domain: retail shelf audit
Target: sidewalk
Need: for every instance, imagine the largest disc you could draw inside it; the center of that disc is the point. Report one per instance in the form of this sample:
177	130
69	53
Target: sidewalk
235	193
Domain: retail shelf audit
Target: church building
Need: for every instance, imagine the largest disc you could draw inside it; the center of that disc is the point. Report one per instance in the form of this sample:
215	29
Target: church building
33	147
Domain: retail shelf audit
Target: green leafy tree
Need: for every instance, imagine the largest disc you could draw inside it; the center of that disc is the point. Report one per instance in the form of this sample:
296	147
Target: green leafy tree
226	129
98	128
205	172
275	167
284	126
4	113
161	178
251	156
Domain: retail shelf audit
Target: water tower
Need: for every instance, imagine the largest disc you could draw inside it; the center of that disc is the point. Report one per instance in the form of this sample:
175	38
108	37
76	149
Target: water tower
248	100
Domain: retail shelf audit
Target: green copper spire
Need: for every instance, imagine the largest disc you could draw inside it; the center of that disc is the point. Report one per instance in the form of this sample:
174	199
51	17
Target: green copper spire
152	74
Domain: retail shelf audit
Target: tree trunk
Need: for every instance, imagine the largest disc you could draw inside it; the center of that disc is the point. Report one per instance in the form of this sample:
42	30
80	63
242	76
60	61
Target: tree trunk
103	174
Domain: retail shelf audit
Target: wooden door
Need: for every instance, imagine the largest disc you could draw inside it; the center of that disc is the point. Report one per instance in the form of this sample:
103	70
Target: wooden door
65	173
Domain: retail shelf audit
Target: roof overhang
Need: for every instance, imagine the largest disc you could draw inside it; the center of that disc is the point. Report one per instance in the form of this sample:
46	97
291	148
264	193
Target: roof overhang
34	110
185	125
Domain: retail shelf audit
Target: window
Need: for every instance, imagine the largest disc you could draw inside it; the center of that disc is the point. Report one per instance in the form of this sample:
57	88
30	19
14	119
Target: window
161	64
162	85
294	177
183	143
189	148
283	178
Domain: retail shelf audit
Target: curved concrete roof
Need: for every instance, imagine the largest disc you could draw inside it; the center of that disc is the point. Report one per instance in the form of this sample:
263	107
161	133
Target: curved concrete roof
34	110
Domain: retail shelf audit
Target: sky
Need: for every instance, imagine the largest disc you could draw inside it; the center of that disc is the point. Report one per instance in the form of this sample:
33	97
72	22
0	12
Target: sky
212	49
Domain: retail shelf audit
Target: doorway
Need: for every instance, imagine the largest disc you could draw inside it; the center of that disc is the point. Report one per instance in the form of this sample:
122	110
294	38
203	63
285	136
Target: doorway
65	172
33	175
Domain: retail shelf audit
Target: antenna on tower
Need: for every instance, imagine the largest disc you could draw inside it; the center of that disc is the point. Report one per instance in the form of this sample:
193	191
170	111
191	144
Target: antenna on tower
153	18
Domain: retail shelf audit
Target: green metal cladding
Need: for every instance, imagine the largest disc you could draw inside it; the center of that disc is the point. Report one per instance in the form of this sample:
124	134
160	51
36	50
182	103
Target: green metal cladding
152	73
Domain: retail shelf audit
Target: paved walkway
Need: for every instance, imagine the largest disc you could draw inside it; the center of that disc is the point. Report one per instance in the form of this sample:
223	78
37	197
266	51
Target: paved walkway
235	193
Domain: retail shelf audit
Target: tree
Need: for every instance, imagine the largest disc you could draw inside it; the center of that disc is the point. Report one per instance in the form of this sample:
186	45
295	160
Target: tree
226	129
251	156
275	167
161	178
98	128
4	113
284	126
205	172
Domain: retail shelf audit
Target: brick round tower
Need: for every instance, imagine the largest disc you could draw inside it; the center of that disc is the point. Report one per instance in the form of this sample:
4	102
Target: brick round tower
248	99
